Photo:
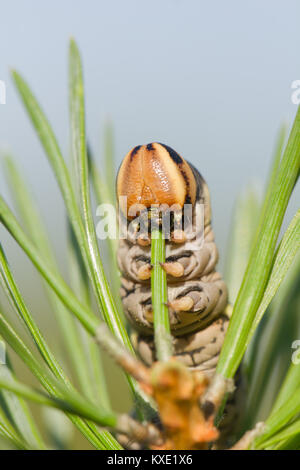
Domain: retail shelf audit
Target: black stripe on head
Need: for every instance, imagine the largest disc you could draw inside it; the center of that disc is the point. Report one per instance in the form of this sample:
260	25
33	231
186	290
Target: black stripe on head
174	155
149	146
178	160
199	181
134	151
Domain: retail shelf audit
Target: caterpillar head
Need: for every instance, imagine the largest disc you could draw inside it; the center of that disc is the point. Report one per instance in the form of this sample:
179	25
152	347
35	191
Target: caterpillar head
155	174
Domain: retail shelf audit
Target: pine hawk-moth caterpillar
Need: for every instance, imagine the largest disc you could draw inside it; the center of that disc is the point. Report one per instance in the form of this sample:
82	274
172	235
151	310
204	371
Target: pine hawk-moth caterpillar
152	175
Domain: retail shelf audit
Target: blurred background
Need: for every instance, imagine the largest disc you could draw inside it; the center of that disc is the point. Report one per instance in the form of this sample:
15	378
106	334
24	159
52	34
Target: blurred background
210	79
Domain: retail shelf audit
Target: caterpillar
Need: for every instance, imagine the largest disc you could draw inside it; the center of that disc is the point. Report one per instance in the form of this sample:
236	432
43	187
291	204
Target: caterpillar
155	175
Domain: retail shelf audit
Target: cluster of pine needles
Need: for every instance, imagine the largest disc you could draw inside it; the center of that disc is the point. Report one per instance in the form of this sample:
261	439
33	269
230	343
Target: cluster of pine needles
262	272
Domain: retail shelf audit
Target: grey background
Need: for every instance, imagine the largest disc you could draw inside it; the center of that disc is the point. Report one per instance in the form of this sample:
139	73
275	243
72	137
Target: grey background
210	79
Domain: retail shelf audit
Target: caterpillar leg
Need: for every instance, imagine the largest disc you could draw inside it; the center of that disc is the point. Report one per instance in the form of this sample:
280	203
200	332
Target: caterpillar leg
144	240
198	351
173	268
178	236
144	272
183	304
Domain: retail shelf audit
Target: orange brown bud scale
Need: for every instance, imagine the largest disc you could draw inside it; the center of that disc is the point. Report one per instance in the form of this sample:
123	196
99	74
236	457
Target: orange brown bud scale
155	174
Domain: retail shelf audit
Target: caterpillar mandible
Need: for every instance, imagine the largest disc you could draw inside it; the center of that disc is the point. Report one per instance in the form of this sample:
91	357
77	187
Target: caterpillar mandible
155	174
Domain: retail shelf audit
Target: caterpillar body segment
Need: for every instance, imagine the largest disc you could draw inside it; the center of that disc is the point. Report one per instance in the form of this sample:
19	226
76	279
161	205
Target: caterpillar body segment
153	175
208	301
198	350
196	263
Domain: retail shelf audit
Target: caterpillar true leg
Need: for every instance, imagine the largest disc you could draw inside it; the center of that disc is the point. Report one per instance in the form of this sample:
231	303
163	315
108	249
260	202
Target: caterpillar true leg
144	240
174	268
144	272
183	304
178	236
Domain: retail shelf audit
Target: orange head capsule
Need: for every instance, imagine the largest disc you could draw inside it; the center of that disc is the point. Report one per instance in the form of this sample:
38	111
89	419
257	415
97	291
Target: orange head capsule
154	174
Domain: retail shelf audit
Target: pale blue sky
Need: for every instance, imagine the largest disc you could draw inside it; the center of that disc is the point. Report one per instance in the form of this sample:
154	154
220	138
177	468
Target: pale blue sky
210	79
